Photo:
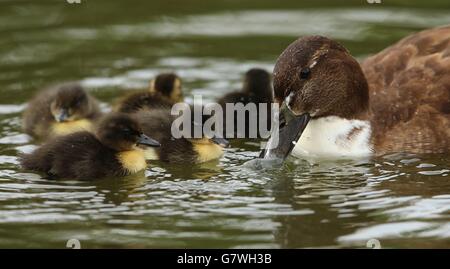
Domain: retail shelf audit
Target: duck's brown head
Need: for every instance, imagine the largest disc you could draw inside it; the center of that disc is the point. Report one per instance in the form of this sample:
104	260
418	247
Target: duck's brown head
121	132
316	77
71	103
258	82
169	85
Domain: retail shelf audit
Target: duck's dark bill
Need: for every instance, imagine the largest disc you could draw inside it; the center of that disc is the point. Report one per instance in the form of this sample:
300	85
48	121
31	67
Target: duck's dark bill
220	141
288	135
147	141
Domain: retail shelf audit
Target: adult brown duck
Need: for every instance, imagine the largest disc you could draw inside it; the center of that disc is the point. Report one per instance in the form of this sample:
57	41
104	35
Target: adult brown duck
396	101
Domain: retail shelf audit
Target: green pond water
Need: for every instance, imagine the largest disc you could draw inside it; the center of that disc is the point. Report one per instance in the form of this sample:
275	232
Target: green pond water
401	200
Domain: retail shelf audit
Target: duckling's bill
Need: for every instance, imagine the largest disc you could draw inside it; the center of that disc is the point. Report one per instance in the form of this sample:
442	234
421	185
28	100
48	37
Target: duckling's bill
62	115
147	141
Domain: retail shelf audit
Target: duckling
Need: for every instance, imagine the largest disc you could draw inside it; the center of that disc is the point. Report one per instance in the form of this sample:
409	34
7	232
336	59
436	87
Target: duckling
60	110
169	85
165	90
114	150
158	123
257	89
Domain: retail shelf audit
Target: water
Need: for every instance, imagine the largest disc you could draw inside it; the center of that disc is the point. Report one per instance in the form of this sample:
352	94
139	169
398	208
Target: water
401	200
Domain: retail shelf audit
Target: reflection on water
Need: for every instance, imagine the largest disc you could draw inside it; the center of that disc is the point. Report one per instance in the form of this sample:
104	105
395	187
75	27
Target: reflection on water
402	200
350	23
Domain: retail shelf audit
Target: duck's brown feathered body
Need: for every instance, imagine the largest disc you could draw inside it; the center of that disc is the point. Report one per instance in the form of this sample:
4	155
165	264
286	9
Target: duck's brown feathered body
39	118
409	87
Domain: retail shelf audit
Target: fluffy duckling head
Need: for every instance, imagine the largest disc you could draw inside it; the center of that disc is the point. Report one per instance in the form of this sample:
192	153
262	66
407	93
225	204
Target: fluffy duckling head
121	132
169	85
258	81
71	103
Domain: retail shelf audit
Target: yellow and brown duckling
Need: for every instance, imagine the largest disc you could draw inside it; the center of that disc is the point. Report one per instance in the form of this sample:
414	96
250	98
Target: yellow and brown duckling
165	90
116	149
257	89
60	110
158	123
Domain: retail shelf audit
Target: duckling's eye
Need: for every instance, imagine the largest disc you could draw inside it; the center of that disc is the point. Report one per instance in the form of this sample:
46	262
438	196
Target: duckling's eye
80	102
130	132
305	73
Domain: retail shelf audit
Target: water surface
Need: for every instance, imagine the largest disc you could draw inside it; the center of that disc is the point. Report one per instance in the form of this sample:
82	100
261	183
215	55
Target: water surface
402	200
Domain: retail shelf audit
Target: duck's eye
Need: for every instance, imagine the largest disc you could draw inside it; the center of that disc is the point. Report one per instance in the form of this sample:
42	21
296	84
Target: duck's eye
305	72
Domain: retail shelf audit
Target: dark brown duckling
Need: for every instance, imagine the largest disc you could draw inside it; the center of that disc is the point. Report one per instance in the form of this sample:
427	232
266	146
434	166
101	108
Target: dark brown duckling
60	110
169	85
114	150
158	123
257	89
165	90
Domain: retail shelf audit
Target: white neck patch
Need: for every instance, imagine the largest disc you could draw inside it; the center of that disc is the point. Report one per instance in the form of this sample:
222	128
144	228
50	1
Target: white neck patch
334	137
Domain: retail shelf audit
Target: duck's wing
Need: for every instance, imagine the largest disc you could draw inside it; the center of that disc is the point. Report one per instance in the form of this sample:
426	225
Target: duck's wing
409	86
